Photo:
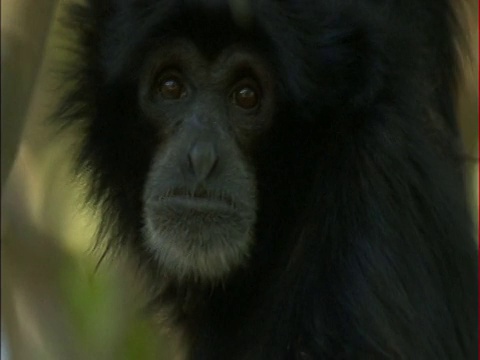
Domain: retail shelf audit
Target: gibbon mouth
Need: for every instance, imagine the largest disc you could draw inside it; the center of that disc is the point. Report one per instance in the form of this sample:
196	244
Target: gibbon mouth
197	200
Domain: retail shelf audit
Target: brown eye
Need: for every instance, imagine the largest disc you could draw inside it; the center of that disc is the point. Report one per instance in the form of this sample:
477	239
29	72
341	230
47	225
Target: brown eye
246	97
172	89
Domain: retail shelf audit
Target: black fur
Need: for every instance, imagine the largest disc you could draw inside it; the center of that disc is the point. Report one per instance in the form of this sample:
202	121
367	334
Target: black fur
364	246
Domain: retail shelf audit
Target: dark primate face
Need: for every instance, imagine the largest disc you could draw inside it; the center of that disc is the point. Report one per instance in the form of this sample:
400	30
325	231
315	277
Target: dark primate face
283	171
200	194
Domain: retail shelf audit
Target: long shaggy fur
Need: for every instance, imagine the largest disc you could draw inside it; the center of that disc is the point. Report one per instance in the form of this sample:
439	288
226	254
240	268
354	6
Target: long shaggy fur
364	246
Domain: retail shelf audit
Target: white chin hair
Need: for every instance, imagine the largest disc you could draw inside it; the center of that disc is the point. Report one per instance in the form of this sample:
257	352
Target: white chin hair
195	256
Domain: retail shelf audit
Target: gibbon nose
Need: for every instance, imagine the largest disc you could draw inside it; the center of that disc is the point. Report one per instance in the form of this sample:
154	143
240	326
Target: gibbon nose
202	159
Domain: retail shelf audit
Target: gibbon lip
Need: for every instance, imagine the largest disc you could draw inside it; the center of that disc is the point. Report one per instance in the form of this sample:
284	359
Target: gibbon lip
197	200
198	203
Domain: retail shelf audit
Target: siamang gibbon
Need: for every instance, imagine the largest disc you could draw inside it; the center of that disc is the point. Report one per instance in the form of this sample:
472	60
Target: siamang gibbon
287	173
